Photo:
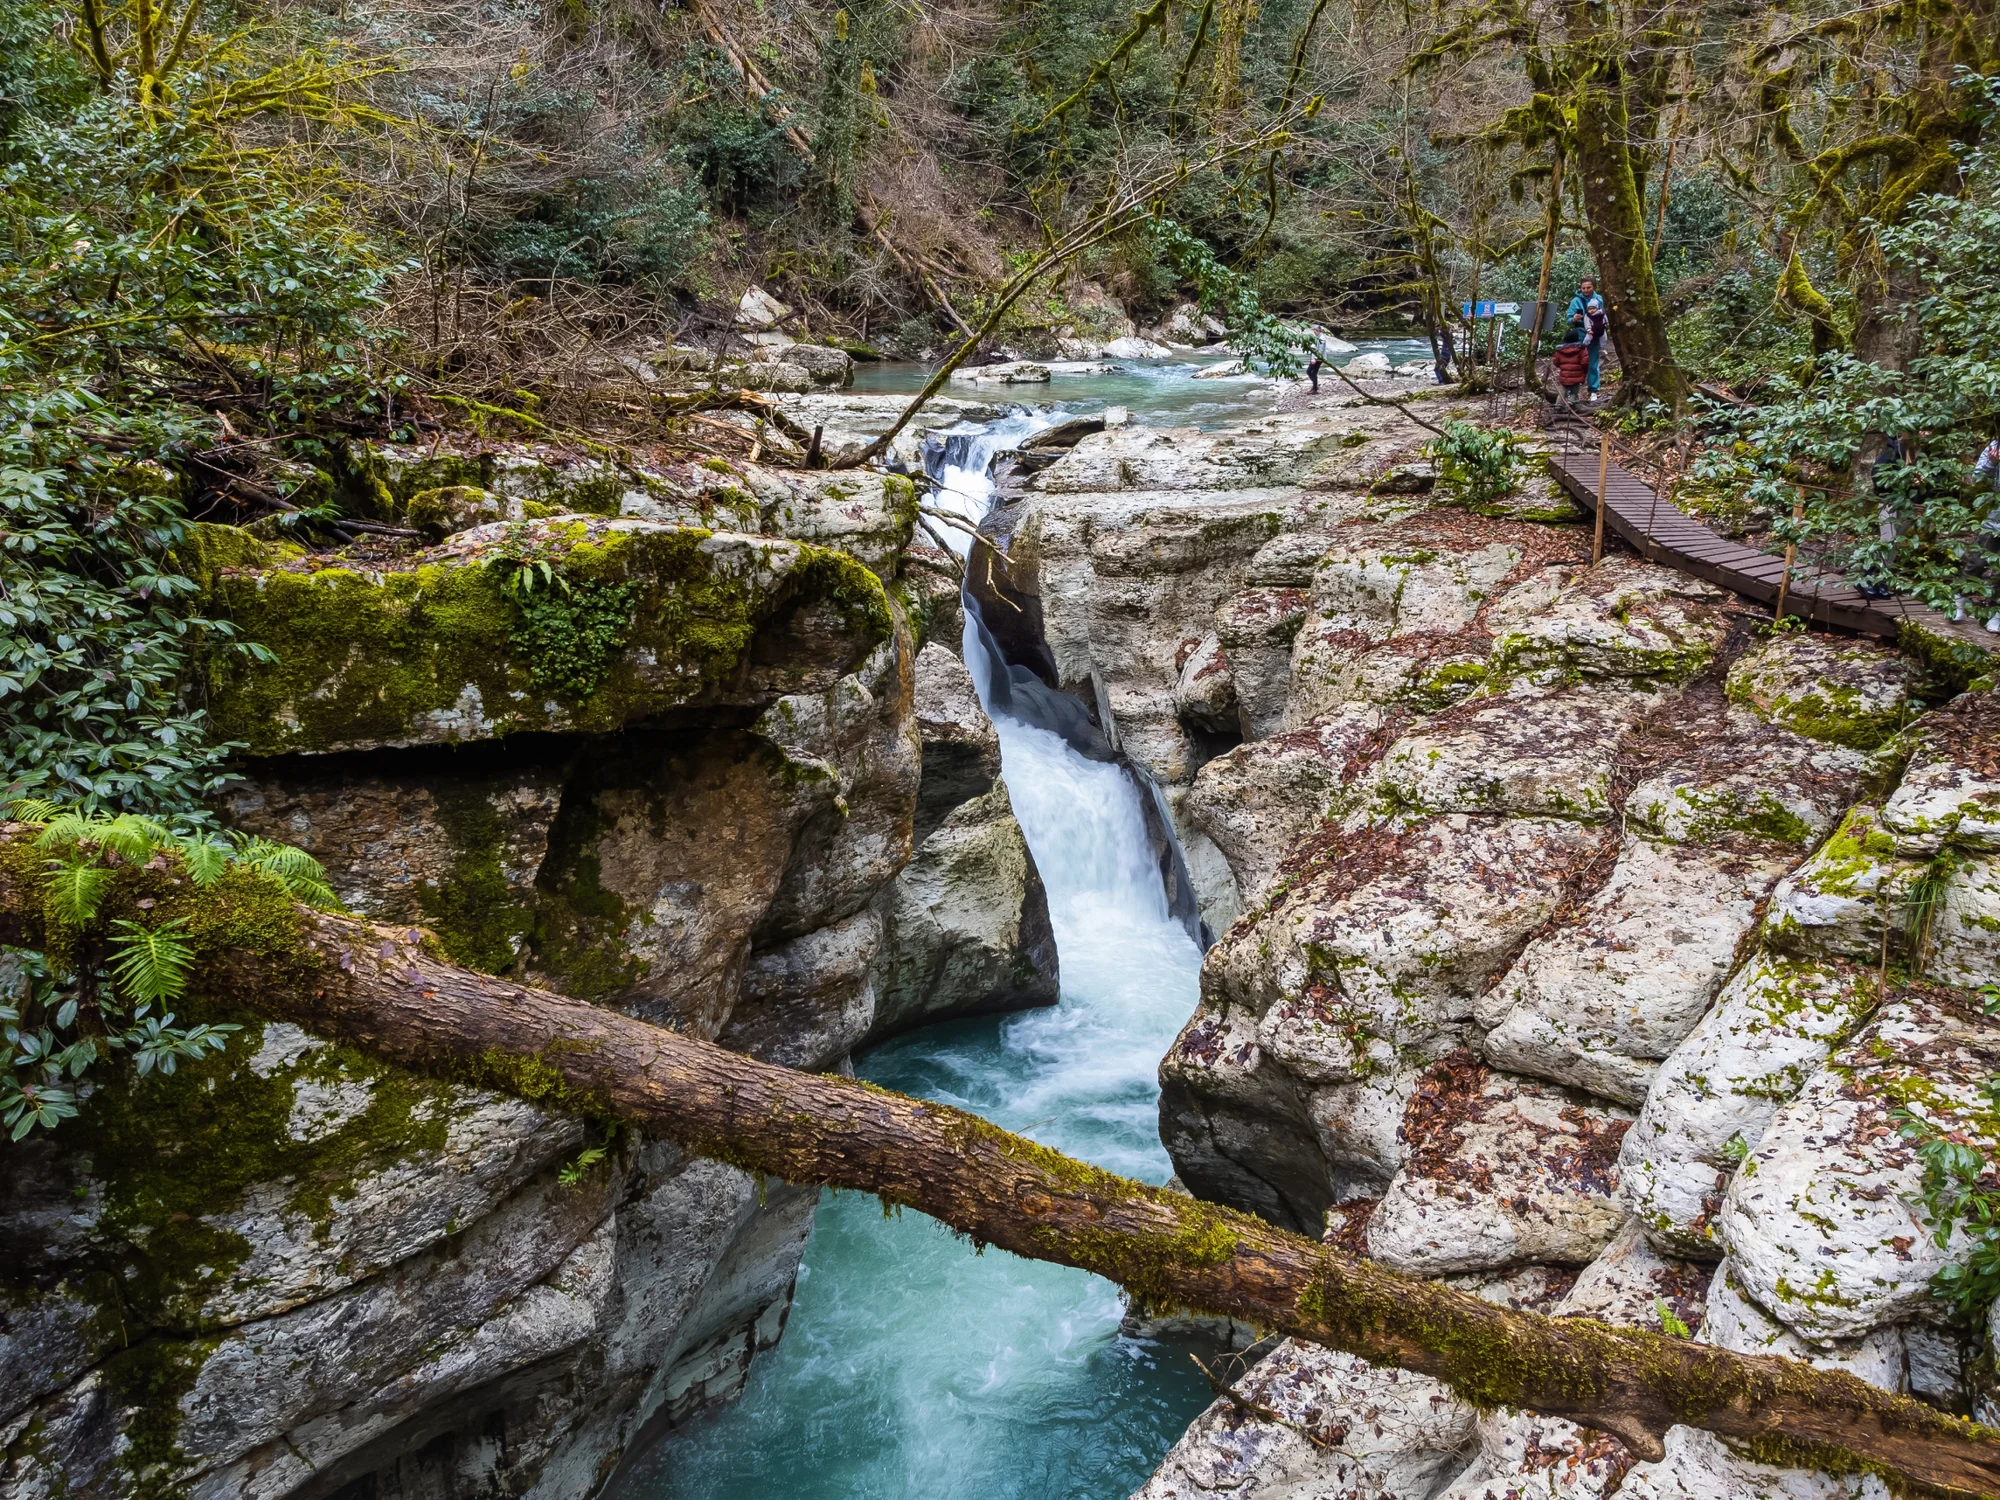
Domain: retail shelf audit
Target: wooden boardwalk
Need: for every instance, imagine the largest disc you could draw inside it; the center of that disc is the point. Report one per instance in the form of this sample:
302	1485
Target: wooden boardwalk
1661	532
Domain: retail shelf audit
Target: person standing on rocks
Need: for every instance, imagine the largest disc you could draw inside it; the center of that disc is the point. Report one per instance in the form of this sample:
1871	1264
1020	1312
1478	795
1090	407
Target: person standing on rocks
1591	308
1312	371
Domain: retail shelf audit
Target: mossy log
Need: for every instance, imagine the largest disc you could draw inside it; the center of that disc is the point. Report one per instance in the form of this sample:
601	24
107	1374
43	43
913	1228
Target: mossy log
386	992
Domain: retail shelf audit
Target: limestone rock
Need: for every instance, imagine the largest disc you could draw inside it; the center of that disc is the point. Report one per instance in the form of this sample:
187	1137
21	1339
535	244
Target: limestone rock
1237	1127
1723	773
1399	1434
775	375
1258	799
1500	1171
1205	696
1841	903
961	749
1596	1004
1620	619
1850	693
930	593
1278	451
1386	590
455	850
966	924
1770	1030
1255	630
834	367
1963	944
442	512
869	516
1012	372
759	309
1630	1283
1821	1222
863	730
1699	1467
1951	789
809	1002
431	653
1380	951
1731	1320
1526	752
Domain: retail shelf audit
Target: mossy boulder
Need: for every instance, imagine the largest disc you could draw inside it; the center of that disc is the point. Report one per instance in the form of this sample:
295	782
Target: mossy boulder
1618	619
446	647
1825	1222
1851	693
441	512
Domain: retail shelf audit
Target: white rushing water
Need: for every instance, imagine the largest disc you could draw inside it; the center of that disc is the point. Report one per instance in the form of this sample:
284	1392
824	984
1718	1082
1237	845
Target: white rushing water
960	462
913	1368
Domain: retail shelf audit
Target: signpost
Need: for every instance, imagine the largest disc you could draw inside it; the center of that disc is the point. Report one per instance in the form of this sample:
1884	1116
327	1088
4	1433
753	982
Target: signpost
1491	309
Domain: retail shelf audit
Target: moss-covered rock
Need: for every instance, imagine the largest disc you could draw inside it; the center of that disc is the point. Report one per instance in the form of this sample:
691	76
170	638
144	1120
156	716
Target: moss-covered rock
435	650
1851	693
1618	619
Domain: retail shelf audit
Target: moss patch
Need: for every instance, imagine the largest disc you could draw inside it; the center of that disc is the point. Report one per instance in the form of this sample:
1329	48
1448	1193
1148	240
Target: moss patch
437	651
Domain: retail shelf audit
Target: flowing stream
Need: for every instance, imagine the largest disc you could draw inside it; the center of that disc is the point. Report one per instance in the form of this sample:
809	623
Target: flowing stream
913	1368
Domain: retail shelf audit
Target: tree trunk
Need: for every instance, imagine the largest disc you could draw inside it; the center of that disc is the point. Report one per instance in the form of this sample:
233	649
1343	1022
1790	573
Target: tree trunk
1615	221
382	990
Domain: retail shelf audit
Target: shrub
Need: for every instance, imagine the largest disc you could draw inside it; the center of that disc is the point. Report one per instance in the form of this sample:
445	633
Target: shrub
1476	465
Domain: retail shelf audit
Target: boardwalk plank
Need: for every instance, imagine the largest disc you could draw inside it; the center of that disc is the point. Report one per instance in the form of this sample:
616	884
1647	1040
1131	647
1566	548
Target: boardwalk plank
1658	529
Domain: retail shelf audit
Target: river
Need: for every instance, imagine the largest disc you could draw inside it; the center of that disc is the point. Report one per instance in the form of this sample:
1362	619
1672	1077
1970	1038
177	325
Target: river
913	1368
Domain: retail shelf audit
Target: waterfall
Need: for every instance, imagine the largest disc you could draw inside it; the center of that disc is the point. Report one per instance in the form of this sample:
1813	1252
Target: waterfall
913	1368
959	460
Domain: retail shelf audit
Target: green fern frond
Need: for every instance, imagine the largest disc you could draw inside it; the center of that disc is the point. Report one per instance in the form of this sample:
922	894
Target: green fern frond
151	964
302	876
206	859
66	830
73	891
132	837
33	810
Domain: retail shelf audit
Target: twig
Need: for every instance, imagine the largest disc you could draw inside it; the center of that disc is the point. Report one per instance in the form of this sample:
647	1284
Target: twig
944	547
1336	1434
1384	401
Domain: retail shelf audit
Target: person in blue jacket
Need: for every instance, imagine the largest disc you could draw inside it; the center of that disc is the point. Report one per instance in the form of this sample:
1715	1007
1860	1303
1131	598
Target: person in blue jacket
1587	304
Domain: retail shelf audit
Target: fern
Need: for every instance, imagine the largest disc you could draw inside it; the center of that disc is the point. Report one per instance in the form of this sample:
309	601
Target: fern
298	872
40	1043
151	963
206	859
131	837
1670	1321
74	890
65	830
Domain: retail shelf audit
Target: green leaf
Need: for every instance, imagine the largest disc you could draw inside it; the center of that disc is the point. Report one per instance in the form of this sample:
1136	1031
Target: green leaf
151	964
1670	1323
302	876
74	890
206	859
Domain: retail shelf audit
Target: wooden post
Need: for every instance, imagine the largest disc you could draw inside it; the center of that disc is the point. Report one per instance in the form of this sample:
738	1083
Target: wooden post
1603	470
1791	551
1548	264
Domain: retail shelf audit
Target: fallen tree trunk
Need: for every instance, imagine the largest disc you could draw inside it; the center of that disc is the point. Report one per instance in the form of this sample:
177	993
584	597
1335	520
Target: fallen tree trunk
385	991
